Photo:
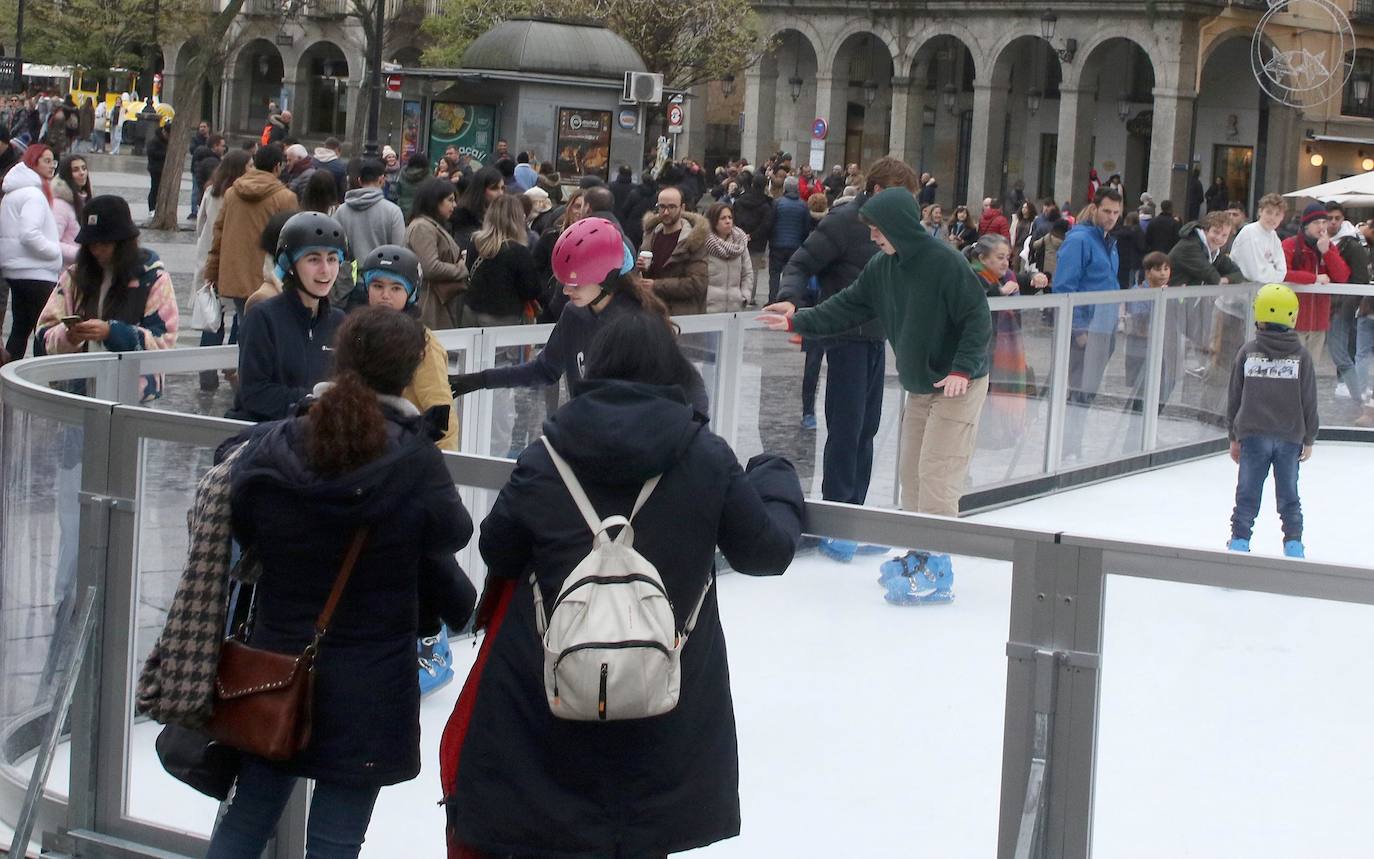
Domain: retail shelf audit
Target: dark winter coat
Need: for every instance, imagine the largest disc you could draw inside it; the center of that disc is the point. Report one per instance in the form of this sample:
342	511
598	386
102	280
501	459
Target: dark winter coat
1162	234
620	190
1130	249
284	352
366	722
523	782
682	282
791	221
754	215
638	205
836	251
203	164
410	179
156	150
1356	257
500	286
1192	265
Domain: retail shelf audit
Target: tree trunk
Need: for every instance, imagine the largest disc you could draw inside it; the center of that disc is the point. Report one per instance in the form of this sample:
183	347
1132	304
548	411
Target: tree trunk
186	103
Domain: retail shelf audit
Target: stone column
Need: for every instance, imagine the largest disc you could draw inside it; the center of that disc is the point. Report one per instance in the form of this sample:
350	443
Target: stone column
355	125
985	149
1170	138
898	140
1077	108
756	115
826	98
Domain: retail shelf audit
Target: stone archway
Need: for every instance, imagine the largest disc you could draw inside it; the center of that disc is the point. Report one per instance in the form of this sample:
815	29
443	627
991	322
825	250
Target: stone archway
860	103
259	72
322	92
1112	120
936	121
780	101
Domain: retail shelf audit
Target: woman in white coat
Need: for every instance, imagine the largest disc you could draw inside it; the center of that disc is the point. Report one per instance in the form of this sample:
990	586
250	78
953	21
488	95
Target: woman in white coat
730	275
30	253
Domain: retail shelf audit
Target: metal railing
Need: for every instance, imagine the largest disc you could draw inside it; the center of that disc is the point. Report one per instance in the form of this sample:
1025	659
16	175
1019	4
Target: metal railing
1057	583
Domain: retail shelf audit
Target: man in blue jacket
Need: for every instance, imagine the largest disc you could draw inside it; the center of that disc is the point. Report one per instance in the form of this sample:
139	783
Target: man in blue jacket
1088	262
791	223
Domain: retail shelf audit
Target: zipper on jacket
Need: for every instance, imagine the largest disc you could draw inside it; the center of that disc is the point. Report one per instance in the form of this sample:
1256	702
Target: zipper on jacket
601	701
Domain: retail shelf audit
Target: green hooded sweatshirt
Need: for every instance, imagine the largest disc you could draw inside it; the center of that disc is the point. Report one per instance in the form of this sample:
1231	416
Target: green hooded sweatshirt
932	304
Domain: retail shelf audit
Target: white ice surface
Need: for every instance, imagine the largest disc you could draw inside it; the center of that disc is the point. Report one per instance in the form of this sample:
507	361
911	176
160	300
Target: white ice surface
1232	723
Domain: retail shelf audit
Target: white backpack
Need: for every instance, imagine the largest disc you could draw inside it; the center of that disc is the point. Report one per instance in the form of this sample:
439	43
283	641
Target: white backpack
612	650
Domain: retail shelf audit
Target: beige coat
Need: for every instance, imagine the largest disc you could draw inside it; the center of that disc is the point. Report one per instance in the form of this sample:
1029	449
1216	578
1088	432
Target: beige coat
730	273
234	264
445	274
682	285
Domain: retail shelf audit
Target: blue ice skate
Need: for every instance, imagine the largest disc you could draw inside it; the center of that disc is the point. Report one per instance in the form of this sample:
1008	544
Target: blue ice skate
435	662
918	578
1294	549
1238	544
838	550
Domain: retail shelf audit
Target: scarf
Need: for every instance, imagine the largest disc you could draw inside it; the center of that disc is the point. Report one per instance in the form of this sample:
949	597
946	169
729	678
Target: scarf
730	248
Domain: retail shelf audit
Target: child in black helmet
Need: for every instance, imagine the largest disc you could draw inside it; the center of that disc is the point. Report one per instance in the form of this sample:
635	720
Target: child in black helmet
285	343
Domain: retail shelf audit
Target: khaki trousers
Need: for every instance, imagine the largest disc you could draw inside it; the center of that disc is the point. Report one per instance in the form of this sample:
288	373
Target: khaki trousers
938	436
1315	341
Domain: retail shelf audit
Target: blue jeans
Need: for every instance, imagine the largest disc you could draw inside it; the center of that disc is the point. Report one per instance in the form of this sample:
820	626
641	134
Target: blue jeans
1257	454
339	815
853	412
1364	355
777	261
1339	340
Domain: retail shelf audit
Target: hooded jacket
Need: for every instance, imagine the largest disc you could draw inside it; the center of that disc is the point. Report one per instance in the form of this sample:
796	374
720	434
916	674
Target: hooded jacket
204	160
328	159
754	215
1304	264
29	239
624	788
928	299
234	263
525	177
1087	262
64	212
1273	390
836	252
681	283
1192	263
369	220
365	726
409	180
992	221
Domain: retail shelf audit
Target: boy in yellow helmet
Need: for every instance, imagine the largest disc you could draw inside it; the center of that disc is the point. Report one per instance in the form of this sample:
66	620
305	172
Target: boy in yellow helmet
1271	417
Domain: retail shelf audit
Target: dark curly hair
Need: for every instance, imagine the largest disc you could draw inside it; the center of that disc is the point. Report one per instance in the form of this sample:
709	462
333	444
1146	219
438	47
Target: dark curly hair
376	352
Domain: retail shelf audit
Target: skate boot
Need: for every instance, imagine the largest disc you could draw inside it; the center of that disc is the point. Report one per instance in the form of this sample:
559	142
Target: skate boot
1293	549
838	550
1238	545
435	660
918	578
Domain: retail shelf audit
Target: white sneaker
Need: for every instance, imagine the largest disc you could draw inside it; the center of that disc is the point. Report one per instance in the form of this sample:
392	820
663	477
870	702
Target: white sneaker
1342	390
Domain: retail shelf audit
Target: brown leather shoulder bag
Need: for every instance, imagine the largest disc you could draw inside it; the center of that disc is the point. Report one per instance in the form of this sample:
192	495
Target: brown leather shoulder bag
264	700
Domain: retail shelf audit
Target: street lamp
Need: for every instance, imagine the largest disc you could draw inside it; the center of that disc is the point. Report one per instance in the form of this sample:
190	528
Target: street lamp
1123	108
1048	22
1033	96
371	148
796	84
1315	159
870	91
727	85
1362	89
950	94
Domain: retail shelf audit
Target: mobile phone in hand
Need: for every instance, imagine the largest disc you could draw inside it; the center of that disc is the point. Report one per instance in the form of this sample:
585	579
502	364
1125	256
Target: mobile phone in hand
69	321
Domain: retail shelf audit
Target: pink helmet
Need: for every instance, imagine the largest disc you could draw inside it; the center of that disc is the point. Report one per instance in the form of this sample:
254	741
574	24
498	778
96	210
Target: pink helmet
588	252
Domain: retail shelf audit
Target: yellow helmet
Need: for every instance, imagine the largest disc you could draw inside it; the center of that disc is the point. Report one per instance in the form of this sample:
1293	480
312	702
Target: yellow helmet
1276	303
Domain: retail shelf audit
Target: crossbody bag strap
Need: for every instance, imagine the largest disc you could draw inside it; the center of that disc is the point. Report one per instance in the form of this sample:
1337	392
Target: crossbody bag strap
350	560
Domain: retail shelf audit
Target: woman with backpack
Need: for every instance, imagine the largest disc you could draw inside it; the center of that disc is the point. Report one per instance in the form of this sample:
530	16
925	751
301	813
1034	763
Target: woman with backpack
357	466
502	281
520	780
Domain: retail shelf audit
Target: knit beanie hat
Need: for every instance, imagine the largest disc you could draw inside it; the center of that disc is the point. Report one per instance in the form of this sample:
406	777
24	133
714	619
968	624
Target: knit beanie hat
1314	212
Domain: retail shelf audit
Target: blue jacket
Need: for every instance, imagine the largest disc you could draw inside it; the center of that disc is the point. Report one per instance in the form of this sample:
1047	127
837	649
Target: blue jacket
1088	262
283	352
791	222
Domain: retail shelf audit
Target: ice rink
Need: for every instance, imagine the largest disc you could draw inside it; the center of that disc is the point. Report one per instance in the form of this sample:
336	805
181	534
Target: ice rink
1233	723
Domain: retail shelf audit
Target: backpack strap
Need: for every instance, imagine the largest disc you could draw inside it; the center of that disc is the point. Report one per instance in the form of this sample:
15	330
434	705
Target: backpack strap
691	623
594	521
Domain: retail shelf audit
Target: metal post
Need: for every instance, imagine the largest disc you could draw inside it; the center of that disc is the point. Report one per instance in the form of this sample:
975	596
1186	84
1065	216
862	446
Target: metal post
1154	367
729	357
372	149
1059	384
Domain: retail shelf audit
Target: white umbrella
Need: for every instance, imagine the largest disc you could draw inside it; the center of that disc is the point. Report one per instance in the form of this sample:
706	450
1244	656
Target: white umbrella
1356	190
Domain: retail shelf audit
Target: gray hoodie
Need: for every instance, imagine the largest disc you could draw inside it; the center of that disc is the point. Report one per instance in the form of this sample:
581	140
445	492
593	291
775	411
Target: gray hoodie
1273	390
369	221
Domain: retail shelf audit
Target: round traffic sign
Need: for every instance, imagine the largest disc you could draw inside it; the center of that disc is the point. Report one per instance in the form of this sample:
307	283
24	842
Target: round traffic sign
674	114
819	128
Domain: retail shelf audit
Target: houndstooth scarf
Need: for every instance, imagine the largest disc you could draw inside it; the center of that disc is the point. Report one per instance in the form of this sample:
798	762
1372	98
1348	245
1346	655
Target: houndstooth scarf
178	678
730	248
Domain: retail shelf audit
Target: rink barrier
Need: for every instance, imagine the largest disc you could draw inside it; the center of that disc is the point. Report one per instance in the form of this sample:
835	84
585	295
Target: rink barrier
1055	625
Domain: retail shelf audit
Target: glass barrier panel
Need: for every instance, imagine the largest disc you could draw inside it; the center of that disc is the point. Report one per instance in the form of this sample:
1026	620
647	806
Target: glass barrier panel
168	474
517	414
205	392
1013	431
1343	371
40	517
1201	339
1102	420
1234	727
775	393
702	348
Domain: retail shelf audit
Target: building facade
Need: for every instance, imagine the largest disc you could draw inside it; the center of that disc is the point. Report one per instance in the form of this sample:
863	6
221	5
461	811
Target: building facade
998	97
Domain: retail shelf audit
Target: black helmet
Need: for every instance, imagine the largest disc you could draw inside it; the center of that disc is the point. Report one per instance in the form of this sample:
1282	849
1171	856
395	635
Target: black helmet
308	231
395	261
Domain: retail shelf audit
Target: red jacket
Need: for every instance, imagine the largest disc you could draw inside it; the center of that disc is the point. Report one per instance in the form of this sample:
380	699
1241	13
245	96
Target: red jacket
993	221
1304	264
807	187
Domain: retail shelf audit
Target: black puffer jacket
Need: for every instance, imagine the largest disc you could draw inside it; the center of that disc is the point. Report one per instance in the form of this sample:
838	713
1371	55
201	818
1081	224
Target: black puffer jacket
366	722
836	251
638	204
522	782
754	215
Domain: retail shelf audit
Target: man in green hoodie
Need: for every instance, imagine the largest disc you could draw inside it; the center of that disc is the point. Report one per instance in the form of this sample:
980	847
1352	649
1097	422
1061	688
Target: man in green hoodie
937	320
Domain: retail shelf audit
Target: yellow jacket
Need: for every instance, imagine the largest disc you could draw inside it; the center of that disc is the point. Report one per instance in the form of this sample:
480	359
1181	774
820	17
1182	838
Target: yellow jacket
429	388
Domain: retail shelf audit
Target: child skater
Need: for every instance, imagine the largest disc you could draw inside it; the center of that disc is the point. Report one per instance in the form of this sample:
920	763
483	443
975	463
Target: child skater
1271	417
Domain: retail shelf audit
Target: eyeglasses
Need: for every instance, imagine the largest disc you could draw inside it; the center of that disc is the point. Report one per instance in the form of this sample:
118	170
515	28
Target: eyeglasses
667	207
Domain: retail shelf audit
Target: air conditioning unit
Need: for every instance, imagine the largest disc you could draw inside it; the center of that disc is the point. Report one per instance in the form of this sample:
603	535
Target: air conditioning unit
642	87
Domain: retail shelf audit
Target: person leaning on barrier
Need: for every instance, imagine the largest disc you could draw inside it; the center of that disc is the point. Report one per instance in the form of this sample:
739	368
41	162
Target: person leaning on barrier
640	787
357	462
